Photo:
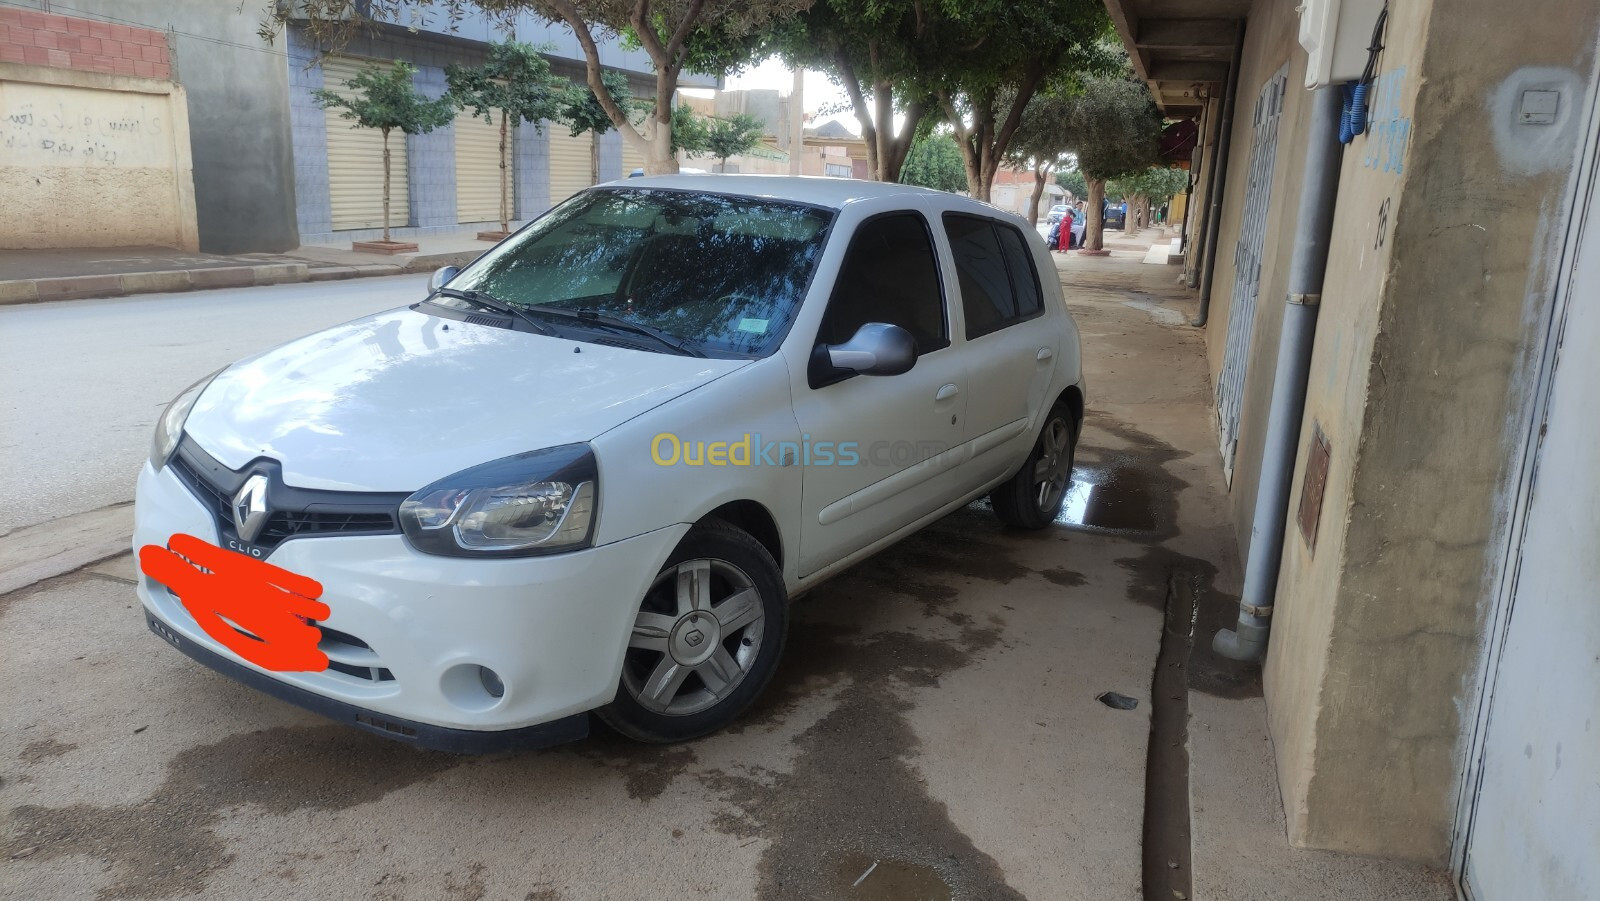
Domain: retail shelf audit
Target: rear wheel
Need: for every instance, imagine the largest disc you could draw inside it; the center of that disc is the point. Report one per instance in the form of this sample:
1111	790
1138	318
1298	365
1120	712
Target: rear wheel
1032	498
706	639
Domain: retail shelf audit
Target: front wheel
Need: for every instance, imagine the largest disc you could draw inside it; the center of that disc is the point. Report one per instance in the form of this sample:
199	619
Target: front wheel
1032	498
706	639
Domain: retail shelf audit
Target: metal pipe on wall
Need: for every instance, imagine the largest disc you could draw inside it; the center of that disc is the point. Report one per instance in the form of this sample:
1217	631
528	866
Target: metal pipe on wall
1217	182
1313	230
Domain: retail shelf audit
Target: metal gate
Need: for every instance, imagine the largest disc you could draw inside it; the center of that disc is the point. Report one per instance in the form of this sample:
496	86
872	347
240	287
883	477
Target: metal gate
1247	264
478	167
355	159
570	162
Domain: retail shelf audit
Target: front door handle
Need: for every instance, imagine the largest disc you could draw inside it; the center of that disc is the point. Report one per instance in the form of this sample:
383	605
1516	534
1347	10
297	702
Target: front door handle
947	392
1045	353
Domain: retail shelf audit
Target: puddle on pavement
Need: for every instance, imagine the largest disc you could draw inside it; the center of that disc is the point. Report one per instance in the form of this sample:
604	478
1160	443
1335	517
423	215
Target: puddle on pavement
886	879
1108	499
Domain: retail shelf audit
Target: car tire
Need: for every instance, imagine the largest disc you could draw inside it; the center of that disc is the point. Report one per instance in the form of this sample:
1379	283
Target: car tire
1032	498
705	641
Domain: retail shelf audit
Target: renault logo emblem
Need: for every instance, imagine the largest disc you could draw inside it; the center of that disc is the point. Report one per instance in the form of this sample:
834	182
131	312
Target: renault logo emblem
250	507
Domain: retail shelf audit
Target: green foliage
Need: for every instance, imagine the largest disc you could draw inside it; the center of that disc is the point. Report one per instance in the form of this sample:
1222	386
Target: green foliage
690	132
1042	137
732	136
581	110
935	162
1115	126
515	79
388	101
1156	184
1072	180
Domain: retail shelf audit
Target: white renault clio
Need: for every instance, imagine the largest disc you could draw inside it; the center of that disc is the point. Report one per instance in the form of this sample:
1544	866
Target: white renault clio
589	471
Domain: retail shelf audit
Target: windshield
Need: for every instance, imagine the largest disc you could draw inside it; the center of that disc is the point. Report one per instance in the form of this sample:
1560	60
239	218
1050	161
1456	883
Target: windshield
723	275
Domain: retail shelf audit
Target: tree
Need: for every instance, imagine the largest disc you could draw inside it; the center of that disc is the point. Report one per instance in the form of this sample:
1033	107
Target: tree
879	52
388	101
1071	181
582	112
997	55
1144	190
709	36
1040	144
515	80
731	136
934	162
1115	129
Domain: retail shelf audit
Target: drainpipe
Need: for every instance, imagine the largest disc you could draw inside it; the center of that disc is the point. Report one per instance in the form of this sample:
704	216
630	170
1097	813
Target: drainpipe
1218	180
1248	640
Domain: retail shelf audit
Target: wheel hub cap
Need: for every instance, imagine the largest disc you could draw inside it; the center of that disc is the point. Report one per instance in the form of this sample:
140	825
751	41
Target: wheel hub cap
694	638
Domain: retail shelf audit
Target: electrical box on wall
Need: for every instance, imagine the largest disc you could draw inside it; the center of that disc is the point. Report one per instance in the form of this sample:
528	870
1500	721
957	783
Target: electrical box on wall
1336	34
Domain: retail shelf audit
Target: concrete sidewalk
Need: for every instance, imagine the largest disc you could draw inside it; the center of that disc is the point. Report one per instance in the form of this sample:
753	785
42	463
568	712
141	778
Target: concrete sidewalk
30	276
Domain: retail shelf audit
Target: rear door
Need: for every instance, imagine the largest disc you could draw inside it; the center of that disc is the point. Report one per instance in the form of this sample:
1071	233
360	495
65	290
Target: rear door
1010	350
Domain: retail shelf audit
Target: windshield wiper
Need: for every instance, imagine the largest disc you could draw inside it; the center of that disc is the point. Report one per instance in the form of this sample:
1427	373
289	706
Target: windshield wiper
607	320
485	299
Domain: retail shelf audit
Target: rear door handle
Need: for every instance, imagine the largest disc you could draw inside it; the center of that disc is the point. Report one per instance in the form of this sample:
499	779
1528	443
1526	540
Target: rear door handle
947	392
1045	353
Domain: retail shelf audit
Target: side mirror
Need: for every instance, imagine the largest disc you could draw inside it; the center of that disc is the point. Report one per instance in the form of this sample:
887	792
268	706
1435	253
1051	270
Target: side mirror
877	348
442	277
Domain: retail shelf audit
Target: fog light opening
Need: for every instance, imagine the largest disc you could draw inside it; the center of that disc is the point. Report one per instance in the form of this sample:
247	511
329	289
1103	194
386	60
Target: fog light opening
491	682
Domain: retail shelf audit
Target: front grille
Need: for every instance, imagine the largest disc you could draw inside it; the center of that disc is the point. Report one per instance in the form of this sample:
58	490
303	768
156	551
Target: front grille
293	512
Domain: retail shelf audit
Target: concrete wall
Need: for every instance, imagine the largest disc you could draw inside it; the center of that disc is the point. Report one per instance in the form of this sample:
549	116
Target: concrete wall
89	159
238	115
1439	276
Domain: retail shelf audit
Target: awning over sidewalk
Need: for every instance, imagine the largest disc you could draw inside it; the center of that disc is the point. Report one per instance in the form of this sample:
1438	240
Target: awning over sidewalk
1181	47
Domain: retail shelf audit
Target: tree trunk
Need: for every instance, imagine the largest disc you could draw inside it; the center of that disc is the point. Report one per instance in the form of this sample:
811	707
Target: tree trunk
505	181
1094	230
386	186
594	159
659	158
1040	173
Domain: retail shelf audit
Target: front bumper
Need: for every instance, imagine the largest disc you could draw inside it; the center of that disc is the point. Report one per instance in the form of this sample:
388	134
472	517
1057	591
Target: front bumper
407	631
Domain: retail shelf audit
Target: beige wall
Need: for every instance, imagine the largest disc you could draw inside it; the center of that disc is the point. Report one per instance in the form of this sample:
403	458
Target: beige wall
93	160
1439	274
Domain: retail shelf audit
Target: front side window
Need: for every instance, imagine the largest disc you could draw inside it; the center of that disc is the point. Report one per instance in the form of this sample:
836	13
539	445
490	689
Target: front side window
723	275
995	270
889	275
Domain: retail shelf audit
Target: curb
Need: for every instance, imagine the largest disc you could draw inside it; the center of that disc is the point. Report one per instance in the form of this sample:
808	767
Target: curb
83	287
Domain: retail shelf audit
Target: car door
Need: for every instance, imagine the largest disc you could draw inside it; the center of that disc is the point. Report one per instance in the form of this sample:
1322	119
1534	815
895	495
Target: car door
1010	352
883	450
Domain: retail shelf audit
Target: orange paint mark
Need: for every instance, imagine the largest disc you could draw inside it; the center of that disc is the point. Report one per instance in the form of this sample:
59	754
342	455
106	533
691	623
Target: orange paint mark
267	601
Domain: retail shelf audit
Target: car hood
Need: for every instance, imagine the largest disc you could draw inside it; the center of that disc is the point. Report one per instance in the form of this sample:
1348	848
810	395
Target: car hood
397	400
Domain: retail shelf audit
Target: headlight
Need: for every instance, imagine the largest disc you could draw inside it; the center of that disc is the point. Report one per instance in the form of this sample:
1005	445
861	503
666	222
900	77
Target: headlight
540	502
169	428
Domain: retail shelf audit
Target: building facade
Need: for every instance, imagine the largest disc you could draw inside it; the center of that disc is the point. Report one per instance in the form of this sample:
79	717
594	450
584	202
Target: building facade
1408	315
272	170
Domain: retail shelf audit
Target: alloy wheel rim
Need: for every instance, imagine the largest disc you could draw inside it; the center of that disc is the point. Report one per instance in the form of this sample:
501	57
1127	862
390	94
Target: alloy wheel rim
1054	465
695	638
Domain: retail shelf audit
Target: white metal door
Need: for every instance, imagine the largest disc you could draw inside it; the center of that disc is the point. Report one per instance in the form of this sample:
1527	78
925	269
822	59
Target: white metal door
478	168
355	160
1247	263
570	161
1534	827
631	158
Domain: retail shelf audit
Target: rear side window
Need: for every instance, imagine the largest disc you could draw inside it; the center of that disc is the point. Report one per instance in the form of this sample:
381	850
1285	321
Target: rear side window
998	283
889	275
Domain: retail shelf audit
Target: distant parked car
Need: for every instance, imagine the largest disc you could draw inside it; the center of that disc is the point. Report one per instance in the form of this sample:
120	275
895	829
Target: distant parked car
1117	215
1056	212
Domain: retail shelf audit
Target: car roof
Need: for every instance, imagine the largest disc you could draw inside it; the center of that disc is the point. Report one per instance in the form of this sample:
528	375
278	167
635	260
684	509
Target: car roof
816	190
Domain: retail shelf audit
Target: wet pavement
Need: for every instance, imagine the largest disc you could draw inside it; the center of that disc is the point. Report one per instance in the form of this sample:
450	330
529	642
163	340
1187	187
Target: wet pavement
933	732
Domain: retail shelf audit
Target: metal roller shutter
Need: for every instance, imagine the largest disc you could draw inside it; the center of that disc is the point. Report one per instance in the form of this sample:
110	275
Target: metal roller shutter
478	168
570	162
355	160
631	158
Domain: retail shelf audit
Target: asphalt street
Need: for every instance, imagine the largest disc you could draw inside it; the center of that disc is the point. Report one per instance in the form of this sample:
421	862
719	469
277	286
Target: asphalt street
83	381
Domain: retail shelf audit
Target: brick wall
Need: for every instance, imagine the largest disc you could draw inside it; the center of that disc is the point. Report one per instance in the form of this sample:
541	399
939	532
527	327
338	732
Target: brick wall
44	39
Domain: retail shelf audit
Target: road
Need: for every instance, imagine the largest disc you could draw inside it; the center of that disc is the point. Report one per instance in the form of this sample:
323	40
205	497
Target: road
85	380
